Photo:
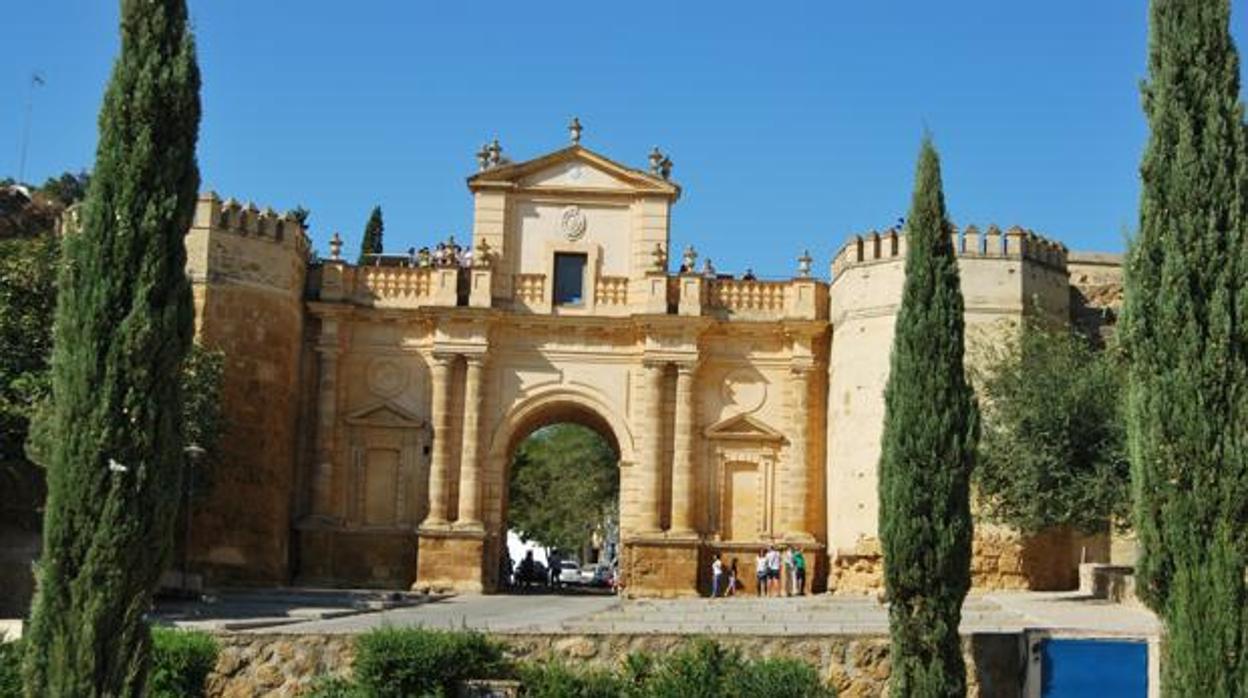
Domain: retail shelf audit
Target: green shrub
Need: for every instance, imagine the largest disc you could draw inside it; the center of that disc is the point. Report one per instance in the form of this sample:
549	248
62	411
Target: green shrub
779	678
10	669
335	687
701	669
403	663
558	680
181	662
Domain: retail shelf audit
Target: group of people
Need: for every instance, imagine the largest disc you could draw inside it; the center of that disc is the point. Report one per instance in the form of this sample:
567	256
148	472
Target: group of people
444	254
709	271
777	572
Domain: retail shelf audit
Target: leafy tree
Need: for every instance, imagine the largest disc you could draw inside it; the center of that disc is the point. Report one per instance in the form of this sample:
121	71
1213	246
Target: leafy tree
564	485
371	243
1185	329
27	296
1053	450
123	325
68	188
301	214
928	449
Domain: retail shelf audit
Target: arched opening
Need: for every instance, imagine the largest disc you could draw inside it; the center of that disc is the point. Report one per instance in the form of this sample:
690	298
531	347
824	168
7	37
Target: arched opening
560	505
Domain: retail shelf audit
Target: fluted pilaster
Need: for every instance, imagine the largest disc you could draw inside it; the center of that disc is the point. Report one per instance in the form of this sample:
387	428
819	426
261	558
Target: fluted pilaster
683	489
470	461
439	469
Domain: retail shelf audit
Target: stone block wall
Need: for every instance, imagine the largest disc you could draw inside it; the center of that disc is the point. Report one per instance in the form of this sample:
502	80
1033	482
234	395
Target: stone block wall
857	666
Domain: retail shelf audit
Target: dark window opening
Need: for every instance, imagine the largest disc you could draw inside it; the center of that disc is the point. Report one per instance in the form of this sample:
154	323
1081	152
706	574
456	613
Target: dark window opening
569	279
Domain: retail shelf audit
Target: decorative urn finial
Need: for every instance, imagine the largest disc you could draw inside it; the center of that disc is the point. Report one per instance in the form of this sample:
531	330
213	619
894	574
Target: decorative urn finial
483	157
335	247
689	259
665	167
656	160
574	131
496	153
803	265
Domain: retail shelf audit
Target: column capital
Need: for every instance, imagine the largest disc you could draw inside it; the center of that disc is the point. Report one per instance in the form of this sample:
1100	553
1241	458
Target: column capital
443	358
687	367
477	360
801	368
652	363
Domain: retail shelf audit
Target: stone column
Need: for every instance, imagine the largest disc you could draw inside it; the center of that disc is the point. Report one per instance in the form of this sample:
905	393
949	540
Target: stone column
439	475
798	480
682	463
651	495
470	461
326	419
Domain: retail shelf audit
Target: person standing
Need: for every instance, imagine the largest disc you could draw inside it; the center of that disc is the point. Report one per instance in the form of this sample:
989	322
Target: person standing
799	569
760	564
717	575
789	579
773	571
732	579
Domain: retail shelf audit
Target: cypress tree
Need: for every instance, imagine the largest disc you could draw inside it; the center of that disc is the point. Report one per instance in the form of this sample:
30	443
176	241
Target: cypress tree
1184	328
371	243
123	325
931	427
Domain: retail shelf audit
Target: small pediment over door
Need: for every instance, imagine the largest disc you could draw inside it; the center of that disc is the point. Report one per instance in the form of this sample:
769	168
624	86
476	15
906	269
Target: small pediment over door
385	414
743	427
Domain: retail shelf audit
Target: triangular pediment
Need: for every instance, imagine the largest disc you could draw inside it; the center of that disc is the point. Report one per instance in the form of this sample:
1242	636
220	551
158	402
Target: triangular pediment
743	427
574	168
385	414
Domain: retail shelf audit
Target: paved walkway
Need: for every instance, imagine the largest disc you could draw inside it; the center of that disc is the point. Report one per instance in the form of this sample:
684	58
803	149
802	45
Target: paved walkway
1059	613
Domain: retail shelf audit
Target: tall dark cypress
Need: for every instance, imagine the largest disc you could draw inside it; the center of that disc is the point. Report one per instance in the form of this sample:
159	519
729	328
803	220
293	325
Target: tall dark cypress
123	325
1185	329
931	426
371	243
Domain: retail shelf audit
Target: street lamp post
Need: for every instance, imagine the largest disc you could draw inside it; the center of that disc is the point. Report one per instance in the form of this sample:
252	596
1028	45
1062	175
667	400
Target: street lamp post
194	452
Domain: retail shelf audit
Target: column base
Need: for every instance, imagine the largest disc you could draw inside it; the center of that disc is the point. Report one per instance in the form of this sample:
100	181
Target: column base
449	560
664	566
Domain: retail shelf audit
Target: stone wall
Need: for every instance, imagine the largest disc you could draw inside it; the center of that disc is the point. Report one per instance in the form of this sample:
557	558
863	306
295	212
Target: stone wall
1001	559
857	666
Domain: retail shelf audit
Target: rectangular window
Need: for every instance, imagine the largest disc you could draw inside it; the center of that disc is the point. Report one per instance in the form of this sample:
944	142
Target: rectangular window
569	279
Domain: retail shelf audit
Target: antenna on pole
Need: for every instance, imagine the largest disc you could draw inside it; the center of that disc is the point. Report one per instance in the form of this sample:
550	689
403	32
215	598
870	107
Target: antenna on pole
36	80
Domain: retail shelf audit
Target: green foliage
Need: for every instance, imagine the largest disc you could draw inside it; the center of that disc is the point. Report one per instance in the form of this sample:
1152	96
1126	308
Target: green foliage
67	189
402	663
1185	331
181	662
123	325
559	680
1053	450
371	243
931	427
565	484
700	669
334	687
10	669
27	296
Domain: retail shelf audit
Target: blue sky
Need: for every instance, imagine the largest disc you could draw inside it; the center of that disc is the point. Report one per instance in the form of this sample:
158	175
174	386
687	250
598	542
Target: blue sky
791	125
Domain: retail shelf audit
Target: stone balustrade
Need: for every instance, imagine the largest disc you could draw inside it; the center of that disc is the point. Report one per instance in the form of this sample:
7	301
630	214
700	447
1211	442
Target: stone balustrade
612	291
530	289
747	297
395	286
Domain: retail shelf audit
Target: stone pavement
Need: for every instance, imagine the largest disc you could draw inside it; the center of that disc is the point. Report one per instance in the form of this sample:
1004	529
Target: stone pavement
1065	613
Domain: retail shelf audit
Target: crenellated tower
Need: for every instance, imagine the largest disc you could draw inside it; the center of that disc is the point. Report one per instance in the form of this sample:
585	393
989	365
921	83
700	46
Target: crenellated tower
247	269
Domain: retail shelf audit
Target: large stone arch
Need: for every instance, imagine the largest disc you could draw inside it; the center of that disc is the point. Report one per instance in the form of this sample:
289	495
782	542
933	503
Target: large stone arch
537	409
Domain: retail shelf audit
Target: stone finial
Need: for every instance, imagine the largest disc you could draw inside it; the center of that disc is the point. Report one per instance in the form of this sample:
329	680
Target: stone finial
803	265
656	160
335	247
574	131
659	257
496	153
482	255
483	157
689	259
665	167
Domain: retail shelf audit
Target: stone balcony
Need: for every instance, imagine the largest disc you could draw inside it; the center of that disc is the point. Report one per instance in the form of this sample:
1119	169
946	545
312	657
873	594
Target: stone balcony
658	293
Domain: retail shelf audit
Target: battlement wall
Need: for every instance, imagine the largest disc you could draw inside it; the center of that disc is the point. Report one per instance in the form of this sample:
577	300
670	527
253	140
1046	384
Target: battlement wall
1015	243
231	242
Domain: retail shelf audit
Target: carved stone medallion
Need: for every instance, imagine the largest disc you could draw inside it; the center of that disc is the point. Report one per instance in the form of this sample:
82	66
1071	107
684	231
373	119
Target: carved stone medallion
386	377
573	223
744	389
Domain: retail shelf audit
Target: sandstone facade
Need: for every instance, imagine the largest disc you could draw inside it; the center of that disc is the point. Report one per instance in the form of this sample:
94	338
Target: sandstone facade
374	409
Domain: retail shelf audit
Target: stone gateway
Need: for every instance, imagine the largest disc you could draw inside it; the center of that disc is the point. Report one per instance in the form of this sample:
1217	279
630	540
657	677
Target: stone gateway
374	409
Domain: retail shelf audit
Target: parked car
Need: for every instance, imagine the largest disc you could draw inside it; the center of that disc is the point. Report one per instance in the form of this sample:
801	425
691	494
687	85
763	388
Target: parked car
569	572
604	576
